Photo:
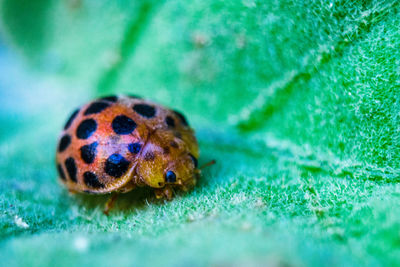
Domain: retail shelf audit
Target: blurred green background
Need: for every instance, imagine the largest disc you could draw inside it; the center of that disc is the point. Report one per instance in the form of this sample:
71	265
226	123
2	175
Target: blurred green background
298	101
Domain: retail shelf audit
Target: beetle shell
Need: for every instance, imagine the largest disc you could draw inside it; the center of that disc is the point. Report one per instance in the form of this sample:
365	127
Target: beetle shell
114	144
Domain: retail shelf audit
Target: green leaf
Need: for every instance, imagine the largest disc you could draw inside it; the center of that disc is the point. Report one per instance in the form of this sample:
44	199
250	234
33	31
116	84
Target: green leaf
298	101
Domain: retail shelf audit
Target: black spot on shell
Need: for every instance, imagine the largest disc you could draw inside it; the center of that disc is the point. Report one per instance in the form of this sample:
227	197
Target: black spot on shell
88	152
181	117
134	148
149	156
195	162
123	125
145	110
116	165
65	141
91	180
170	121
71	168
71	119
170	177
96	107
86	128
61	172
111	98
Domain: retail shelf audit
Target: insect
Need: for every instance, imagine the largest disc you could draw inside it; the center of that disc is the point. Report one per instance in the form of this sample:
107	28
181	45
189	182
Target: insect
114	144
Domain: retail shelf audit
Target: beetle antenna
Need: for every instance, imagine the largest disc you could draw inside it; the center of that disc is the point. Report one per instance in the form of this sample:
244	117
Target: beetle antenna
207	164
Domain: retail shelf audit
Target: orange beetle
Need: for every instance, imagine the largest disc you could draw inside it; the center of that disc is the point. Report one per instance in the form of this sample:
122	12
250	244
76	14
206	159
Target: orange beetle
114	144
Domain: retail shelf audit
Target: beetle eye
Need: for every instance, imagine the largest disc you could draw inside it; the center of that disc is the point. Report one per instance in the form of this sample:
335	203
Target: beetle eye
170	177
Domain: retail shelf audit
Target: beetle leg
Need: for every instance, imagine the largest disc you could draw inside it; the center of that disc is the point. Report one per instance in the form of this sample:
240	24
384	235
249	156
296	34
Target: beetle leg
110	203
168	192
165	192
72	192
158	193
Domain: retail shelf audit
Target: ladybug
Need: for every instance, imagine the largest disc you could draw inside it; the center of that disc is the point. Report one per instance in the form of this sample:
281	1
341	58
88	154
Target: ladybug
118	143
